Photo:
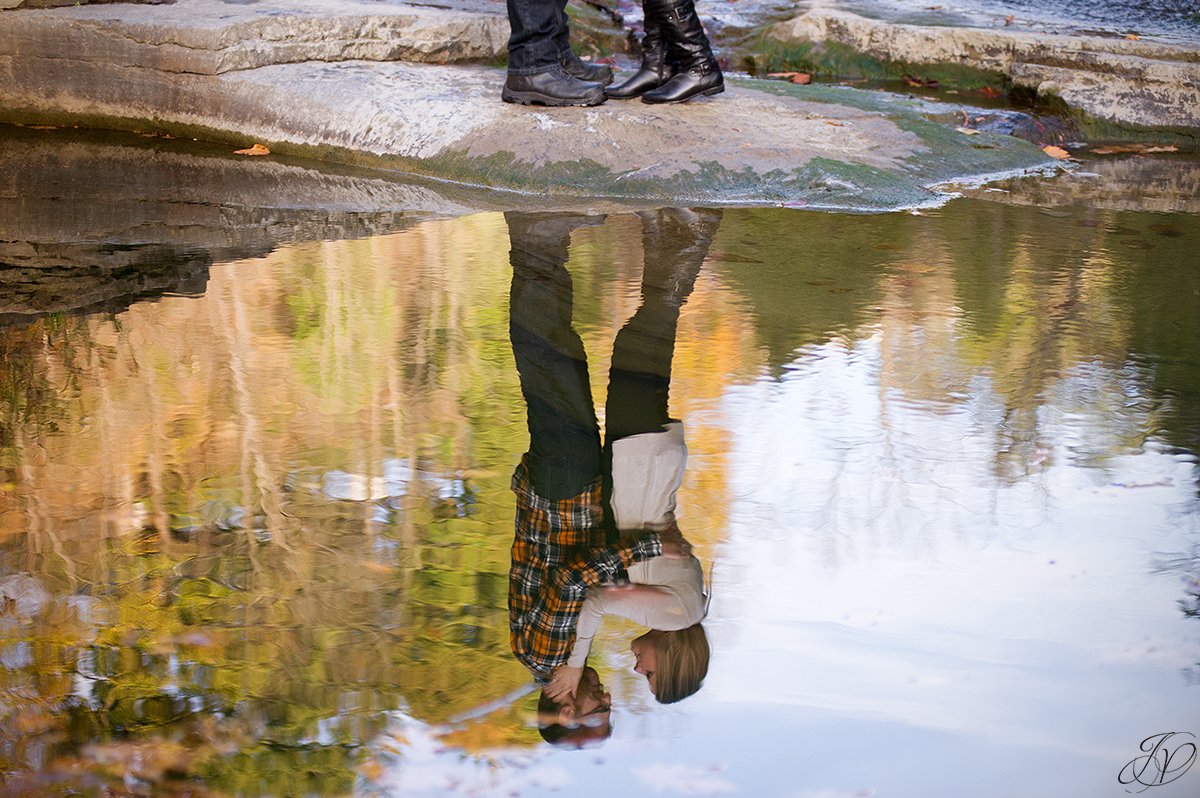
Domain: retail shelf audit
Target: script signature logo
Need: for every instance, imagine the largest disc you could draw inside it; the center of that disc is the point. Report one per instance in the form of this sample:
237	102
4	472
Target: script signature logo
1165	757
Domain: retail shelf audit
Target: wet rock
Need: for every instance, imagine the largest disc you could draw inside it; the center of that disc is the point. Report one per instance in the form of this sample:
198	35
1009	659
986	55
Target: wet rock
6	4
1134	84
211	37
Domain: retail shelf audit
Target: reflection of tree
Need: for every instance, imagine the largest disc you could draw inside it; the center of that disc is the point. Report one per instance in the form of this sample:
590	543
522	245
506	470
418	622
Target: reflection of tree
214	423
1037	310
355	401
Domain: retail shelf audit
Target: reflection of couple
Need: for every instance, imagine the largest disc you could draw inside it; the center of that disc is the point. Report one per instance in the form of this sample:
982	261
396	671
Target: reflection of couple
595	525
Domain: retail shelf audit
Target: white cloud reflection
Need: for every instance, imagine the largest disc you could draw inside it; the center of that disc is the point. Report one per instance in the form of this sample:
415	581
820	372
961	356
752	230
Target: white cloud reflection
684	780
415	762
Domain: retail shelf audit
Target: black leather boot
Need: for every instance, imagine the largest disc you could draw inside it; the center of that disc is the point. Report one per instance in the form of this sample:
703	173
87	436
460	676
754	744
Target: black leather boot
554	87
654	72
576	67
696	69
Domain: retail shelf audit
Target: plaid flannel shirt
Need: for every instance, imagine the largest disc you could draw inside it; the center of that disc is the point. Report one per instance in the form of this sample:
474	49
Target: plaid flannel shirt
559	552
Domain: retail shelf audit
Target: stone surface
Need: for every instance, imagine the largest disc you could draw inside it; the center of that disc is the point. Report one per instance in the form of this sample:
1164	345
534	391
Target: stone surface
174	69
1124	82
210	37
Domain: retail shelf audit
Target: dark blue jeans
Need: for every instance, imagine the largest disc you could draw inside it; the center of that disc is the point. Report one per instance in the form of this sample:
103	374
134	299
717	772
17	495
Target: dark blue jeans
539	35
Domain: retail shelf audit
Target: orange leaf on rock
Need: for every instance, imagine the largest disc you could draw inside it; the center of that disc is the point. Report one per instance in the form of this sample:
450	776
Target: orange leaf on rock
1056	152
257	149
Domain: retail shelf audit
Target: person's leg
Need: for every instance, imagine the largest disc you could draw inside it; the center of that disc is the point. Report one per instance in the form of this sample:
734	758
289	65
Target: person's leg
564	436
532	44
696	69
536	70
655	69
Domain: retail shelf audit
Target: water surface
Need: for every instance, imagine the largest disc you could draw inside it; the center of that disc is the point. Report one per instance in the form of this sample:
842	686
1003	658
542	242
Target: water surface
1164	20
254	535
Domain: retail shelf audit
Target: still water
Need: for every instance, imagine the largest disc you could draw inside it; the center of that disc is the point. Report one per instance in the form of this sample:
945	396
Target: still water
255	536
1164	20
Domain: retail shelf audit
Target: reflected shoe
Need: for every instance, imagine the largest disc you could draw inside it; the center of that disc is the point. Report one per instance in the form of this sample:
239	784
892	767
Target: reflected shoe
654	72
552	87
576	67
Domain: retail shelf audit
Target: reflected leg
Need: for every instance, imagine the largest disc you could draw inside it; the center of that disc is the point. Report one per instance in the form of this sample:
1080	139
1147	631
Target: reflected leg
675	242
564	436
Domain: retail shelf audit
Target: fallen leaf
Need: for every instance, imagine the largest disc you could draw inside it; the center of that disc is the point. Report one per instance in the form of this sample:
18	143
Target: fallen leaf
921	82
1008	20
1056	152
970	131
1133	37
257	149
803	78
989	91
834	124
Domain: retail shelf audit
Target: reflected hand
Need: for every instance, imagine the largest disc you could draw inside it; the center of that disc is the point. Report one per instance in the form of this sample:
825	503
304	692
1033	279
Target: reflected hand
563	683
674	545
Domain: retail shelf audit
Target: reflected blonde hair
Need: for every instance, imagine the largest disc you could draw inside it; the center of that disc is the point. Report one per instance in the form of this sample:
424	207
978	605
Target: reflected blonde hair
682	663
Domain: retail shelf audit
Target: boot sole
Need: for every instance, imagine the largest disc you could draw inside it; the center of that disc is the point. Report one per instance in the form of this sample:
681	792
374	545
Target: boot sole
537	98
705	93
